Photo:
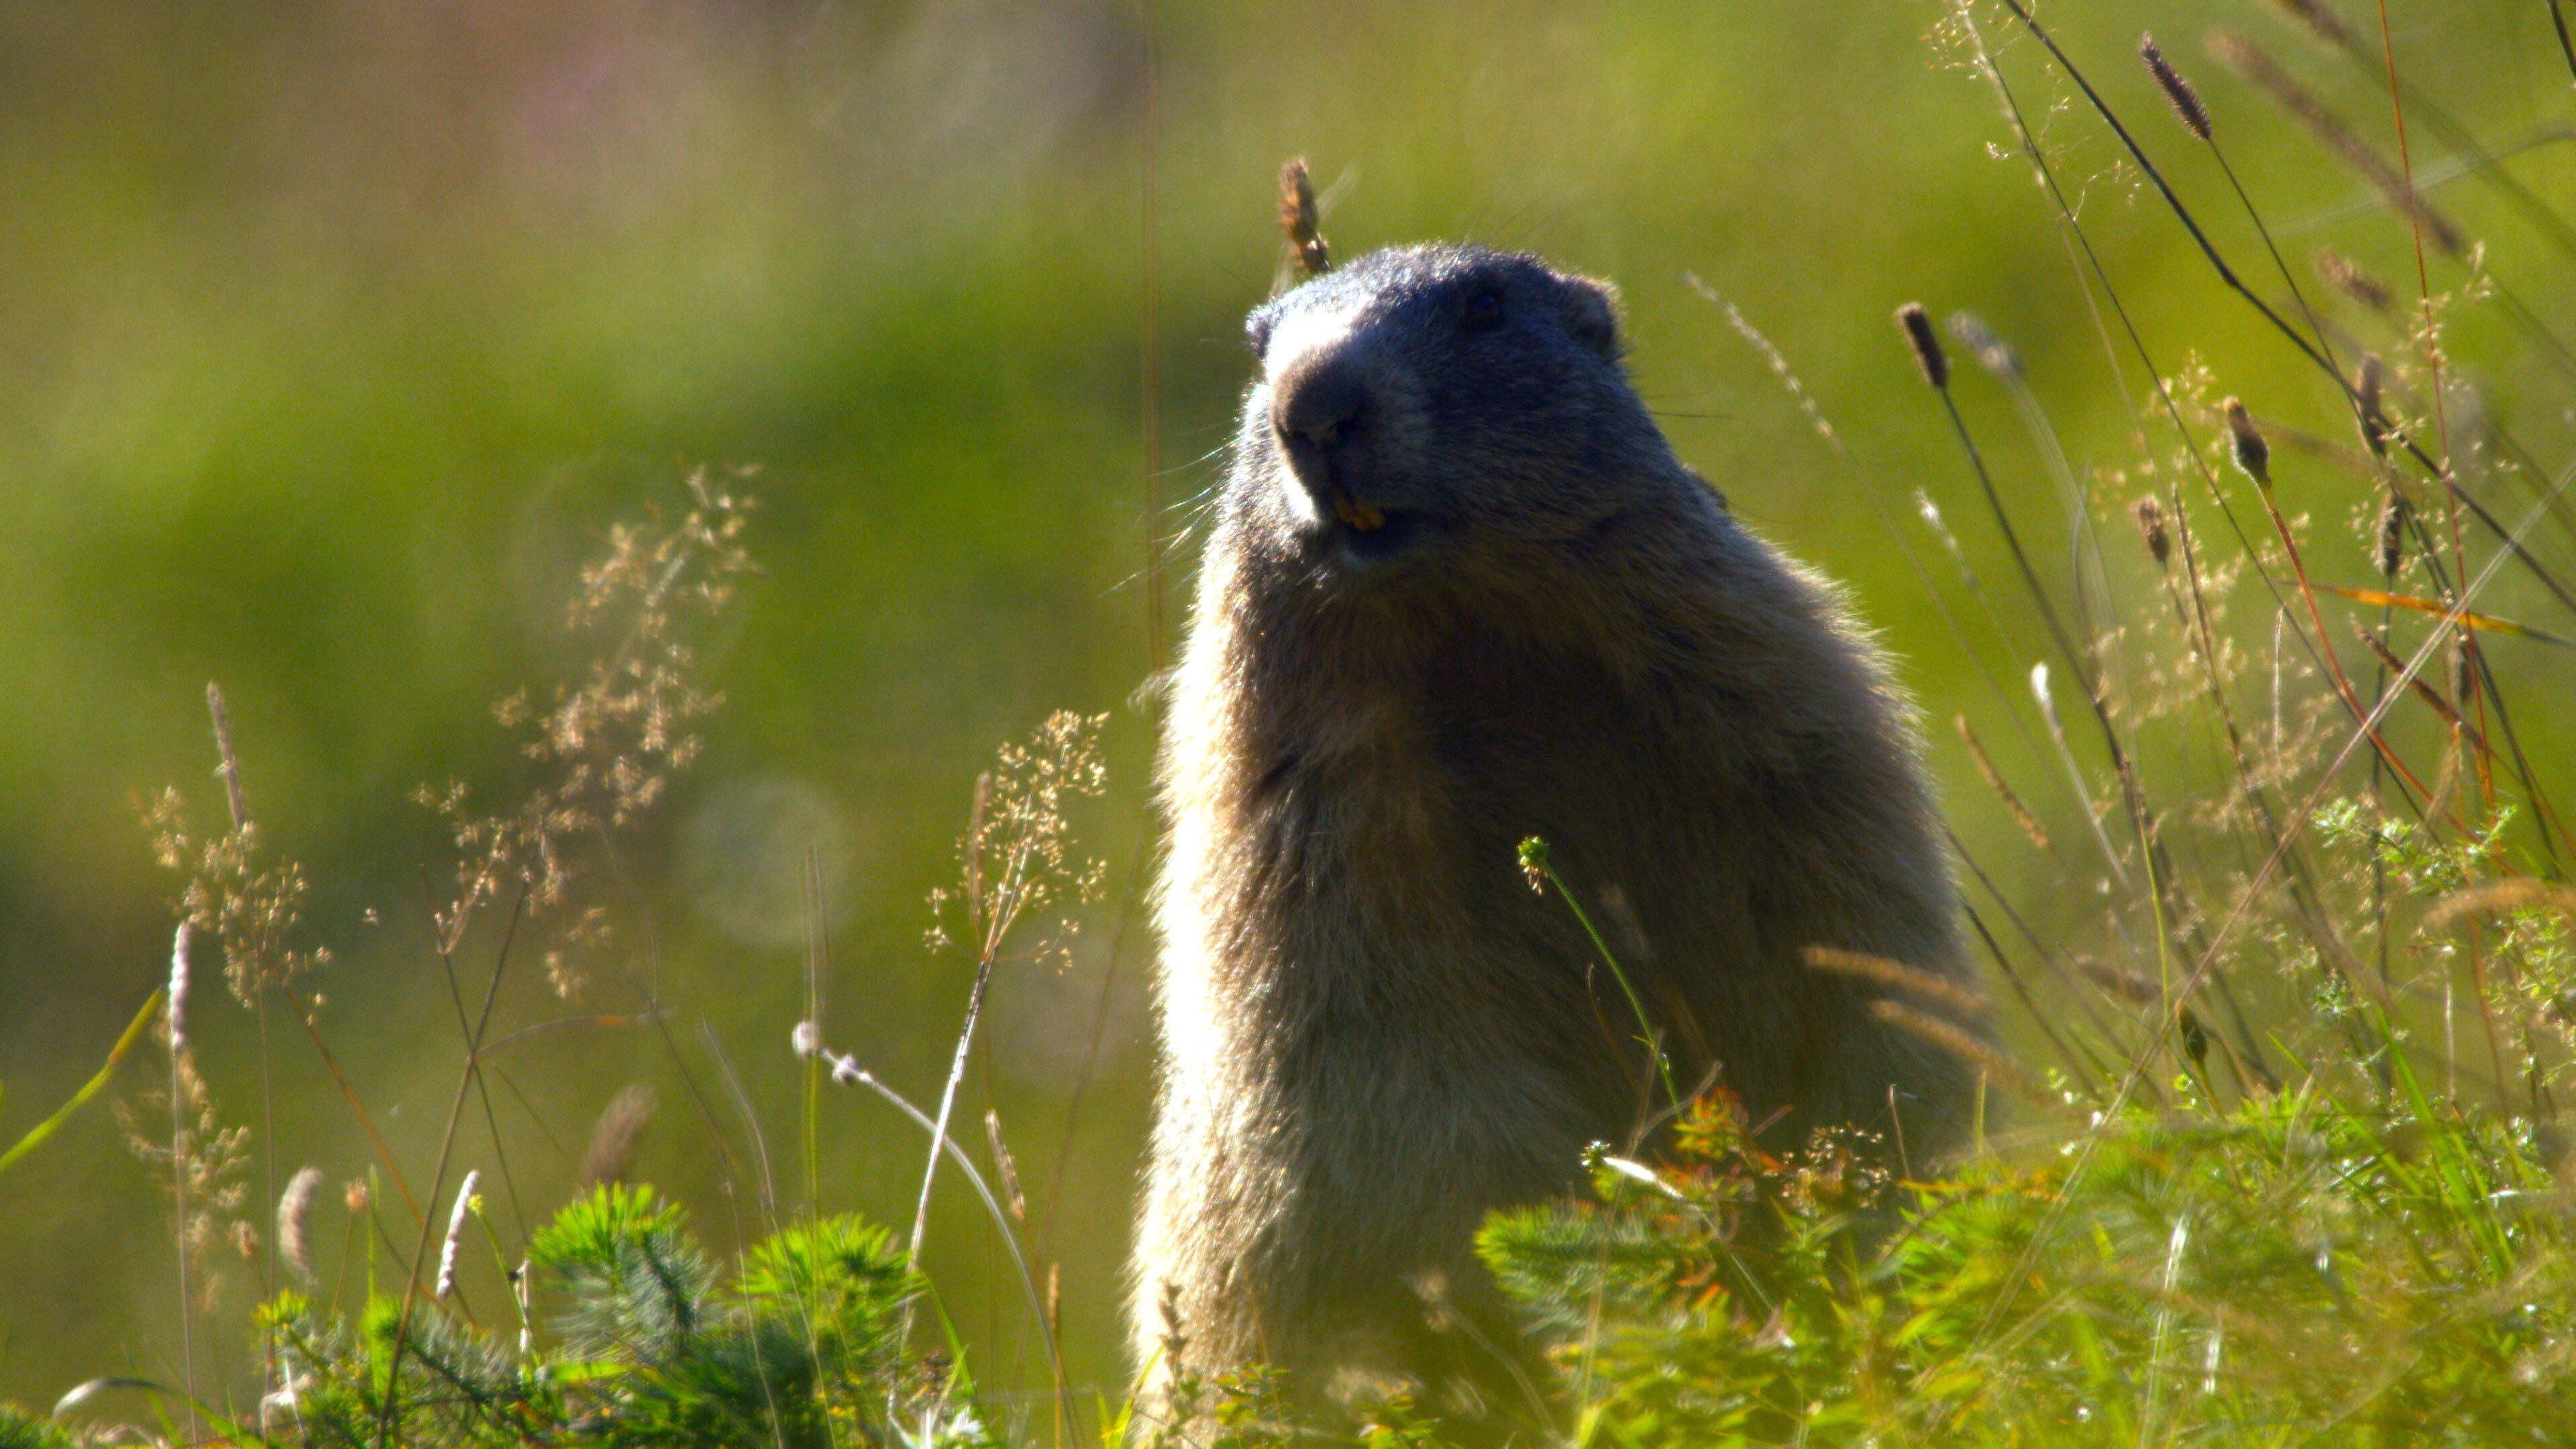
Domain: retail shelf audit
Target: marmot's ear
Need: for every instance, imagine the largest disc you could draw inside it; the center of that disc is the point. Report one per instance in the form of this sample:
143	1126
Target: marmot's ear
1256	328
1592	315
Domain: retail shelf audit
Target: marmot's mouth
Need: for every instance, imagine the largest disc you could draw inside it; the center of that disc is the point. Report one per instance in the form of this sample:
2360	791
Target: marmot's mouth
1364	517
1377	535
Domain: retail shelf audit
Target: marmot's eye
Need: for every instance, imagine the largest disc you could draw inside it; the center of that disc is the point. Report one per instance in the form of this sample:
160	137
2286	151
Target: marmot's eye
1484	308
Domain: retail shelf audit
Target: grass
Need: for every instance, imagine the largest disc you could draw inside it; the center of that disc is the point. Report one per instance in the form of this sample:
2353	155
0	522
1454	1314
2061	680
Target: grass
2282	1162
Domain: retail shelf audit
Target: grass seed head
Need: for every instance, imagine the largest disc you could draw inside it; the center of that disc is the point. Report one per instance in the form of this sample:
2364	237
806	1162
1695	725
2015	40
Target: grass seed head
1917	327
2151	527
2245	442
2178	92
2257	66
295	1221
175	1016
2329	26
614	1137
456	1233
2389	550
1299	219
1993	353
2354	280
2367	382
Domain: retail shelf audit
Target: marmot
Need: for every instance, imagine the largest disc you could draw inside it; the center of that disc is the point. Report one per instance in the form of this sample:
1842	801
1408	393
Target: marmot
1458	592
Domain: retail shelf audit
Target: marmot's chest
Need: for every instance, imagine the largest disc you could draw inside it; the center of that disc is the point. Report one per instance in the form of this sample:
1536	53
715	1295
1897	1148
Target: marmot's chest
1382	857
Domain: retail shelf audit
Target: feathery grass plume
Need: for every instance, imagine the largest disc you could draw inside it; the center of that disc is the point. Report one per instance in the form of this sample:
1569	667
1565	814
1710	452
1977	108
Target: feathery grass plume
611	740
1964	1045
614	1136
175	1020
1916	324
2178	92
2003	789
251	904
2314	14
182	1075
295	1221
456	1233
2151	528
1012	861
1299	220
1913	981
2256	65
2354	280
2245	444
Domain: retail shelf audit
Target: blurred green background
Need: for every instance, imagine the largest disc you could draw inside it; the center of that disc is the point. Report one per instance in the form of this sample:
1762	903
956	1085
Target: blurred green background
333	337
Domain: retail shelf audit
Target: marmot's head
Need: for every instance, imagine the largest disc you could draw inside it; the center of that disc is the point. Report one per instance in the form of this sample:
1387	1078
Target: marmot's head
1436	410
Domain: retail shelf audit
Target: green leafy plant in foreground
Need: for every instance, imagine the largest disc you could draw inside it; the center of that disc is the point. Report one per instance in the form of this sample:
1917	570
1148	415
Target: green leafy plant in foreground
650	1345
2296	1268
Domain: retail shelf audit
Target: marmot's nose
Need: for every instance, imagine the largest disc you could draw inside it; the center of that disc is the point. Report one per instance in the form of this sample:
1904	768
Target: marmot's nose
1318	406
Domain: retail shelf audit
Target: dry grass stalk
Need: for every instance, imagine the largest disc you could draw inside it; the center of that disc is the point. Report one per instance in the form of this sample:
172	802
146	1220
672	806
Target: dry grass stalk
1995	781
2500	897
230	766
1966	1047
2119	982
2423	688
1013	860
2048	716
2256	65
1778	364
1920	984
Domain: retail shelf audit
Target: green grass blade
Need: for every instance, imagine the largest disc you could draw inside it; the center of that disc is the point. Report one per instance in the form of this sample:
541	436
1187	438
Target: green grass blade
35	1138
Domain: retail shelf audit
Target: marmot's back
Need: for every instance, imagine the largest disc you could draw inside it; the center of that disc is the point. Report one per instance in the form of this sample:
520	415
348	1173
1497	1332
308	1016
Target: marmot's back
1460	593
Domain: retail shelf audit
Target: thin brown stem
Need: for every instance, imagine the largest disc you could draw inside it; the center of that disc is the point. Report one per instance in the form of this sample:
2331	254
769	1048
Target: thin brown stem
447	1145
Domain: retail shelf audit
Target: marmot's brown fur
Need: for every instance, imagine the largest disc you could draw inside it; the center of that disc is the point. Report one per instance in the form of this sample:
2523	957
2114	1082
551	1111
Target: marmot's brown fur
1460	592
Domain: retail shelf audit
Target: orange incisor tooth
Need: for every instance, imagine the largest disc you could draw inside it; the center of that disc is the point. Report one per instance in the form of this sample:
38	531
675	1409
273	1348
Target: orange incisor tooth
1366	517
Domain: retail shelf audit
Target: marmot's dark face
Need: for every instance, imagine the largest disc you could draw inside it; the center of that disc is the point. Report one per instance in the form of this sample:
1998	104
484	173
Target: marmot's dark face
1424	408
